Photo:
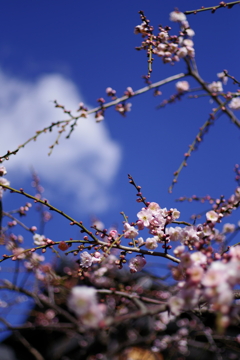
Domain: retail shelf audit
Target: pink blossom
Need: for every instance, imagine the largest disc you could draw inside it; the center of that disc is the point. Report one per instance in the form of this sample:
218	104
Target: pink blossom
174	233
140	224
145	215
152	243
140	241
198	258
86	259
97	258
158	221
113	234
137	263
130	232
154	207
179	250
189	234
186	260
212	216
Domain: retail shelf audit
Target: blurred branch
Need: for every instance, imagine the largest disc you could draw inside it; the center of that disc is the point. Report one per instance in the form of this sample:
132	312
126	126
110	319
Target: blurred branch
40	300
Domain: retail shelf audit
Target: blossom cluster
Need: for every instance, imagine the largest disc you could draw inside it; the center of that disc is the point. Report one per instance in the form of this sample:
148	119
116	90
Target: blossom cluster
205	277
170	48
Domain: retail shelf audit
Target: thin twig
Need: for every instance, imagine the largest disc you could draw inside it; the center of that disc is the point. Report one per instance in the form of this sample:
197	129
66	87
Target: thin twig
213	8
92	111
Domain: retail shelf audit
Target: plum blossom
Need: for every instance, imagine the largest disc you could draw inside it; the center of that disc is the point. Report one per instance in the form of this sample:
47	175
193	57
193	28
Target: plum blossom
215	86
152	243
141	29
212	216
163	35
179	250
39	240
130	232
154	207
137	263
222	77
188	43
235	103
182	86
175	214
198	258
177	16
113	234
140	241
228	228
86	259
190	32
182	52
174	233
145	215
189	235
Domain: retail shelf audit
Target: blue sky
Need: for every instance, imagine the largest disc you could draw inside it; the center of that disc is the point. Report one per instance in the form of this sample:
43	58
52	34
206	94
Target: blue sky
72	51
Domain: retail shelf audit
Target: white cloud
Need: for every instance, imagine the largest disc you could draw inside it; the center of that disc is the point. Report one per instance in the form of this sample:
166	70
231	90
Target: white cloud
84	165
